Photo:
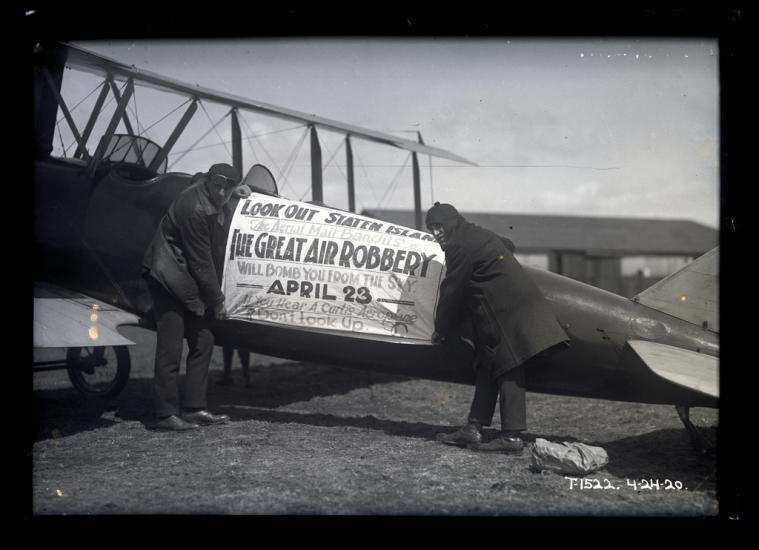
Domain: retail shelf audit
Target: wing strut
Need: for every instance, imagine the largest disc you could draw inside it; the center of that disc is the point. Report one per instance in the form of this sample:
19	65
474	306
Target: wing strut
111	130
236	142
417	186
127	122
64	108
181	125
349	165
114	70
81	151
317	193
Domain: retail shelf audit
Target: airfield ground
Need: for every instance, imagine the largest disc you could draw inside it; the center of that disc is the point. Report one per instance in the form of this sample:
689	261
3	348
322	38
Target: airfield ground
316	439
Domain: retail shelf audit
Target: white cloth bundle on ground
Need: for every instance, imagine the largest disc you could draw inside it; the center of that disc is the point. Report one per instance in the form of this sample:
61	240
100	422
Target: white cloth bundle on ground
567	458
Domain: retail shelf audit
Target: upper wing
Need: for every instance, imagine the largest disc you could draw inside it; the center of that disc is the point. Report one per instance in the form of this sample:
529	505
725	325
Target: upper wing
87	61
63	319
695	371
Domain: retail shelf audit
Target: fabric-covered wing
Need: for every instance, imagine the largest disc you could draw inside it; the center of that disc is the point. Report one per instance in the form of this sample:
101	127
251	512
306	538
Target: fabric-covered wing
85	60
64	319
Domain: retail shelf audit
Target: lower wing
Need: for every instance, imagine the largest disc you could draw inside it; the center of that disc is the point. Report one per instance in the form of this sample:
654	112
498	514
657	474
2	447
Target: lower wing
64	318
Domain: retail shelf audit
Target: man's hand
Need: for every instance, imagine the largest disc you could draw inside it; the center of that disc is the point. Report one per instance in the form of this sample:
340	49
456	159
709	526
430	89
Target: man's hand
437	338
219	311
242	191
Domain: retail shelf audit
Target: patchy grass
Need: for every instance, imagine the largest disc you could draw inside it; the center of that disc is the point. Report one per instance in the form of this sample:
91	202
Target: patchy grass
315	439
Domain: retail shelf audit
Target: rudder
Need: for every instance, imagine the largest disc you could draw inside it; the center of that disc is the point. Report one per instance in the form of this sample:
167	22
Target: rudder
691	294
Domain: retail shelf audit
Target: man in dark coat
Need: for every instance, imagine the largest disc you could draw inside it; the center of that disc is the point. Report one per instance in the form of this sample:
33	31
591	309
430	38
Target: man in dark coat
185	286
511	323
219	244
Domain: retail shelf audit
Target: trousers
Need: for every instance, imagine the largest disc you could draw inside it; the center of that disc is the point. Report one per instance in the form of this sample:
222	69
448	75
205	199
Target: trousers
228	354
511	388
175	323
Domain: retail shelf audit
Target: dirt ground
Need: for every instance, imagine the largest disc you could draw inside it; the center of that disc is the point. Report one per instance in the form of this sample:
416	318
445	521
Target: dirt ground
316	439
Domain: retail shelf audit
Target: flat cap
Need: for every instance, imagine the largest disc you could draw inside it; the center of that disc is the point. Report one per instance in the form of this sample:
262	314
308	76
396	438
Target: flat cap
223	169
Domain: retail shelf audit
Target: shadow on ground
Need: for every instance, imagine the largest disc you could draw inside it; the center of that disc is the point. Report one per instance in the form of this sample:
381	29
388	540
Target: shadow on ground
63	411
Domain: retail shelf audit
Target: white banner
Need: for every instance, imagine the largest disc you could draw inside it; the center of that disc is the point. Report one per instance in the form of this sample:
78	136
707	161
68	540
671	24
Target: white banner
303	265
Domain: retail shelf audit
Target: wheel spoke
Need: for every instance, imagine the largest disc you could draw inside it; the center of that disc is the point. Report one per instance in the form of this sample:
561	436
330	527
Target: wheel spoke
98	371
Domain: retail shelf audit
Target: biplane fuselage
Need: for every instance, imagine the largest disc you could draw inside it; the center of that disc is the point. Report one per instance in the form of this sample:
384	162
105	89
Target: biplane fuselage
92	231
96	213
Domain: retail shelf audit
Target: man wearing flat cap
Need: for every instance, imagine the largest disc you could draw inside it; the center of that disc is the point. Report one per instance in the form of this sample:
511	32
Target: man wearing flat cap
186	290
511	320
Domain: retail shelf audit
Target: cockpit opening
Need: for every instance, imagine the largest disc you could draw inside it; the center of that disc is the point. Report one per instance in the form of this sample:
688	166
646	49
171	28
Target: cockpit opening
132	157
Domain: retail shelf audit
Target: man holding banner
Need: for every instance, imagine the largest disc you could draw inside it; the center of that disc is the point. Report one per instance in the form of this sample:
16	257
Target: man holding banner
511	320
185	287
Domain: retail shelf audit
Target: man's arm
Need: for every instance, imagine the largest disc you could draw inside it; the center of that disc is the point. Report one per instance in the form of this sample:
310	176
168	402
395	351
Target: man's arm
509	244
453	289
196	241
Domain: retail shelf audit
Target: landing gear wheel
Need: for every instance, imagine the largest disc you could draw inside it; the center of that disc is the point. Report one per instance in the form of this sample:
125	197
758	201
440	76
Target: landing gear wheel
99	371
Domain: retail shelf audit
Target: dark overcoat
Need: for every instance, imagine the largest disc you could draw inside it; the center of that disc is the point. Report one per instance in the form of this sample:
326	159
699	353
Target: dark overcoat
181	256
511	318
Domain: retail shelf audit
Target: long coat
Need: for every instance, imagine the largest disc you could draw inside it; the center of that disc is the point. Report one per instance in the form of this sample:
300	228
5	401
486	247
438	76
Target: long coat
511	318
181	255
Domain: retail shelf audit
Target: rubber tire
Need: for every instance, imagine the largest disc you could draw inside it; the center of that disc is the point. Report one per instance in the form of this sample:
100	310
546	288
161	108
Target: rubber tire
123	369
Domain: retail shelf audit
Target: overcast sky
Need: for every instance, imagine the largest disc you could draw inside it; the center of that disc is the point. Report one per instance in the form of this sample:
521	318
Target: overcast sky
596	127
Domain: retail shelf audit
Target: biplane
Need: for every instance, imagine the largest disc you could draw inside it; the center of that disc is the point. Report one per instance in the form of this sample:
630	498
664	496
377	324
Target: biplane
306	281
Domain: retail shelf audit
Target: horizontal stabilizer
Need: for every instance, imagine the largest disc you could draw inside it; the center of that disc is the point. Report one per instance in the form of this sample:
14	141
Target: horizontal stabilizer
690	294
65	319
695	371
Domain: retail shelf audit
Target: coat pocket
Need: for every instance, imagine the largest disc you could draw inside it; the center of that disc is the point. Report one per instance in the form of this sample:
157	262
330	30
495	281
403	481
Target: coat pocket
487	328
170	269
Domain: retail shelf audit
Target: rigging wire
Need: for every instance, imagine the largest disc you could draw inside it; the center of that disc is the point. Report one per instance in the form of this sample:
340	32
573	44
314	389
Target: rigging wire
342	142
332	156
167	115
255	136
260	143
82	101
281	170
271	157
394	182
60	136
366	174
110	99
221	139
432	189
246	131
143	148
287	166
201	138
280	131
136	114
285	172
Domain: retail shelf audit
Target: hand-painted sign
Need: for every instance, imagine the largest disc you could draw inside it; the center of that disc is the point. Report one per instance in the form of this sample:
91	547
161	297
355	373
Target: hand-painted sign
308	266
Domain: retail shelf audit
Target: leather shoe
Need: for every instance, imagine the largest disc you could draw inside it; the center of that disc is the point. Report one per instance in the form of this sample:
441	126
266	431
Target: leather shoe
174	423
205	417
468	435
501	444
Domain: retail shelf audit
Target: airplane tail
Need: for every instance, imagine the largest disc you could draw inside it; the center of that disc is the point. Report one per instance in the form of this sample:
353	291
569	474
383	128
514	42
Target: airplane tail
691	294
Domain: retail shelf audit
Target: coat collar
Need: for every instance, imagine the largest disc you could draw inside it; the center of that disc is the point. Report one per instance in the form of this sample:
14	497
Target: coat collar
207	207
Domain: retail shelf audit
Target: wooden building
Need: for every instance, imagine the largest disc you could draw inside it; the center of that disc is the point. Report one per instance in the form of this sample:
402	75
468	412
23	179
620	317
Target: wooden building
621	255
